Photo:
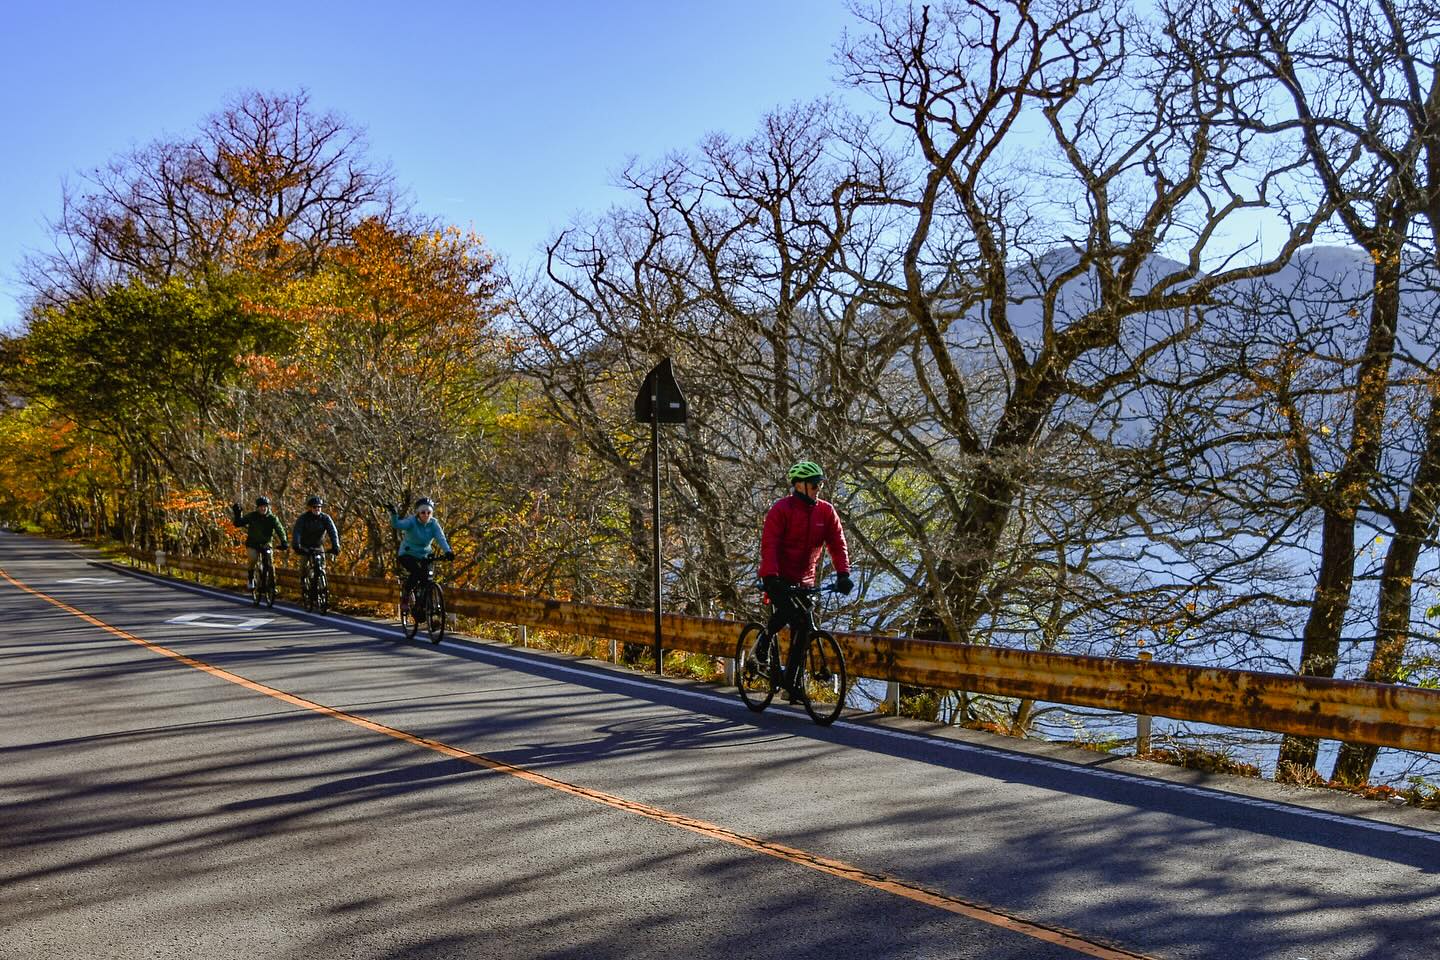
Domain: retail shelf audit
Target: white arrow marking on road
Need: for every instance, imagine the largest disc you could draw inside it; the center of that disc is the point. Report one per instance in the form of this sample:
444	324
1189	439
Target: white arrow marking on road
220	620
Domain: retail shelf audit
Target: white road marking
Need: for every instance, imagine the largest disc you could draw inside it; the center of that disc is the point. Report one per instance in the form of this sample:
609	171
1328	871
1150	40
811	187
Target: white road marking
221	620
92	580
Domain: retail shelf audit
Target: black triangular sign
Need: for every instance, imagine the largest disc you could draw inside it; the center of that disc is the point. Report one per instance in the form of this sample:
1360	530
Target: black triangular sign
660	393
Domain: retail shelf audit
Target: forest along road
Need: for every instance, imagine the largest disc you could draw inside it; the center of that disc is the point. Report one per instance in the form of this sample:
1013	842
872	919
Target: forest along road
184	776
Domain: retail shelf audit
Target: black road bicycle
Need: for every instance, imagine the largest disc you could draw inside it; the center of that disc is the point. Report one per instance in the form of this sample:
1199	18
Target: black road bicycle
314	587
814	660
262	584
427	607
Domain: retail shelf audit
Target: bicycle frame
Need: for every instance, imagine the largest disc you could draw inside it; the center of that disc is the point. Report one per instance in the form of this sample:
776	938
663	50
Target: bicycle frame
808	599
263	578
813	656
312	572
428	604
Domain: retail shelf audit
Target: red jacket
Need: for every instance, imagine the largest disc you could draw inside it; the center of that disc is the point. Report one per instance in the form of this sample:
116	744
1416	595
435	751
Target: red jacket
794	534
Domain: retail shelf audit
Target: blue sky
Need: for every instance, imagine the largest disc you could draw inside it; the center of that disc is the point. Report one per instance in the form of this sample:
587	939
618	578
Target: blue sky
510	117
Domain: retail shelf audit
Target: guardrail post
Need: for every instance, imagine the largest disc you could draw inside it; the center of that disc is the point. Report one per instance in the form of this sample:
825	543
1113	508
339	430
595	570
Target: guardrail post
892	696
1142	721
159	561
614	650
524	635
727	663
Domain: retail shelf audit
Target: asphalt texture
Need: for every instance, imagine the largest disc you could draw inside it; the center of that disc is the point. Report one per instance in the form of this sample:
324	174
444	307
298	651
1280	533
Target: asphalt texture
150	809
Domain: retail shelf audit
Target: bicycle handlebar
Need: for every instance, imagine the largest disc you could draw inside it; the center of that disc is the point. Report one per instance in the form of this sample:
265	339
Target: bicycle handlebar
802	591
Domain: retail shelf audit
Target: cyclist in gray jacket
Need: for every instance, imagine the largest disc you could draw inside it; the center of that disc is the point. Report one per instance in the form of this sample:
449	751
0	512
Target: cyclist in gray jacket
311	529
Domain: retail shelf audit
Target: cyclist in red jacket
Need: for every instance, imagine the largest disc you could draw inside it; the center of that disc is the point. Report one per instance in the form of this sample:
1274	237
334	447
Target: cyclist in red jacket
796	529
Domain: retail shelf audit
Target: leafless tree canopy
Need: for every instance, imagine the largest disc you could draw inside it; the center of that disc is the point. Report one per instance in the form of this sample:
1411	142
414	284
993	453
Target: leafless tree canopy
1114	326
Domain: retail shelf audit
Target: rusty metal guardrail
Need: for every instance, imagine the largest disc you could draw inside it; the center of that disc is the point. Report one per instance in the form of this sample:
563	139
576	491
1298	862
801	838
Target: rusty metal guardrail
1381	714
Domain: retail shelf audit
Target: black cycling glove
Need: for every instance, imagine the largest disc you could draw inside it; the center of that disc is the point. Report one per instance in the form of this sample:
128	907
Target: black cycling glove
776	586
843	583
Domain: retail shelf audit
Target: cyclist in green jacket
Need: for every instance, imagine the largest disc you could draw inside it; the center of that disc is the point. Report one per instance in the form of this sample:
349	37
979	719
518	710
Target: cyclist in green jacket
261	527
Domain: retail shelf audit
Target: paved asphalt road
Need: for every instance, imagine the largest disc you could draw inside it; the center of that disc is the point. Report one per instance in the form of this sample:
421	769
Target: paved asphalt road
152	809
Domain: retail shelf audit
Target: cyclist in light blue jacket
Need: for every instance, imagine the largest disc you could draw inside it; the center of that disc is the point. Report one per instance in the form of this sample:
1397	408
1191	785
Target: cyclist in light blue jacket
417	532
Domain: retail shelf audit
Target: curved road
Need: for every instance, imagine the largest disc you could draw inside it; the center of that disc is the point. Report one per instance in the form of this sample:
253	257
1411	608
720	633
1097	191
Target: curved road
182	777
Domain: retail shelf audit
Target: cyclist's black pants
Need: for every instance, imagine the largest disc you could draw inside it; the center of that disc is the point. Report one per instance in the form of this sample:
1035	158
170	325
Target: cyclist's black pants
415	572
788	612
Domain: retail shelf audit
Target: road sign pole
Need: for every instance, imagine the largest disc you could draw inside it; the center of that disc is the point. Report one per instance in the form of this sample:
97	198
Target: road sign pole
655	529
659	400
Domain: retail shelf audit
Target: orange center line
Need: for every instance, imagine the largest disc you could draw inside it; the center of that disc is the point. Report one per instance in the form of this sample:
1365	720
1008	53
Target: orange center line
835	868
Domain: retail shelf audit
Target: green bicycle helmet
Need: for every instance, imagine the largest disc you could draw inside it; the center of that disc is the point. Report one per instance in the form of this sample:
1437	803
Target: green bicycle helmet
805	471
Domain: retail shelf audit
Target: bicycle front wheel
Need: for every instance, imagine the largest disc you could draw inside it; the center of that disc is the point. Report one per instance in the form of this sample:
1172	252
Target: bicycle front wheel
269	585
322	594
755	676
407	616
824	683
435	614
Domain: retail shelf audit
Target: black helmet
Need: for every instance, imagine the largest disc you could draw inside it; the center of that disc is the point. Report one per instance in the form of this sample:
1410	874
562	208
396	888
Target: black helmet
425	502
262	501
316	501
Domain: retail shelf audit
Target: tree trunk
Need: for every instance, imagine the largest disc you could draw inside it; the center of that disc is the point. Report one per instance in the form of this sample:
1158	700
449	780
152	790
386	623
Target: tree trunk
1320	647
1387	658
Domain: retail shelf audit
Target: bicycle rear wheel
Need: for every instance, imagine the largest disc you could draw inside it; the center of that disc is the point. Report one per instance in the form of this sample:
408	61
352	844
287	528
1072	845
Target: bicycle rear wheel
824	683
756	680
435	614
